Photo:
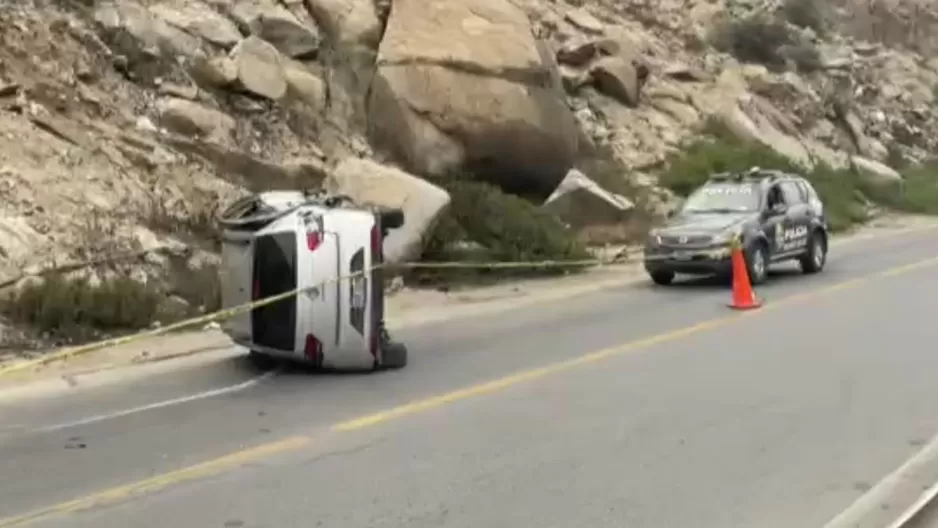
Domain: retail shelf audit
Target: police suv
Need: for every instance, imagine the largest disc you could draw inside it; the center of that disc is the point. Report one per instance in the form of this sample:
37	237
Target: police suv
777	216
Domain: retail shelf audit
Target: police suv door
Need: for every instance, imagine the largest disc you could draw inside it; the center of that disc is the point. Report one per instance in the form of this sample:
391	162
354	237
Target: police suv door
775	221
797	219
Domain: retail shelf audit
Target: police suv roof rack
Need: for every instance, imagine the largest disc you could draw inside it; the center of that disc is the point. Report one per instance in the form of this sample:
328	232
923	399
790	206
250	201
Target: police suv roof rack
720	176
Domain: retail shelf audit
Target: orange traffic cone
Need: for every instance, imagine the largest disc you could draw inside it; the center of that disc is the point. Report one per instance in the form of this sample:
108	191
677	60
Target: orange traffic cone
743	296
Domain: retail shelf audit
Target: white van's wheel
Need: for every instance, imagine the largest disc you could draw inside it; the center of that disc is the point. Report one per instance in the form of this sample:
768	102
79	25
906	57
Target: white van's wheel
393	356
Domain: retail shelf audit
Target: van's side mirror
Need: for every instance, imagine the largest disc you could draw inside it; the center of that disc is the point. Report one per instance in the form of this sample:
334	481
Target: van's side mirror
778	209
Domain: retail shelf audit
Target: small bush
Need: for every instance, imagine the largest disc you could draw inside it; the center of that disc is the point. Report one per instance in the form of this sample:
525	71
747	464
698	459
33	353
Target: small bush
719	151
756	39
200	286
764	39
806	14
512	228
918	193
503	228
194	219
77	309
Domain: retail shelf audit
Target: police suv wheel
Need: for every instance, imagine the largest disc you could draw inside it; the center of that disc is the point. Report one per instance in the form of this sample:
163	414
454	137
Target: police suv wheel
757	264
813	261
663	278
393	356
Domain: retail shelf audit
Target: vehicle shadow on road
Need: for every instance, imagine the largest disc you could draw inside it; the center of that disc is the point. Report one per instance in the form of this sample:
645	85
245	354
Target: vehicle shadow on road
777	275
295	369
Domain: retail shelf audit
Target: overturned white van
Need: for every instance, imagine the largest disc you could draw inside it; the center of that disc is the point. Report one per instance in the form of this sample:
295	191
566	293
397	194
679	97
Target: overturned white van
324	246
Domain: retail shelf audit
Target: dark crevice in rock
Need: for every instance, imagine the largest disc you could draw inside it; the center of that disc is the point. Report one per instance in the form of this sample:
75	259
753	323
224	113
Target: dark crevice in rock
537	77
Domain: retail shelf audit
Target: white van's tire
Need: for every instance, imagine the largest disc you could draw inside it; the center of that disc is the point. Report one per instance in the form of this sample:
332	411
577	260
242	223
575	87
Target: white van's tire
393	356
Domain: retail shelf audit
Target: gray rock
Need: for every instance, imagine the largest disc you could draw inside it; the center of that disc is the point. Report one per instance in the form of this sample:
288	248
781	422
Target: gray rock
193	119
305	86
214	72
581	202
260	68
201	20
282	29
876	173
618	78
131	31
583	20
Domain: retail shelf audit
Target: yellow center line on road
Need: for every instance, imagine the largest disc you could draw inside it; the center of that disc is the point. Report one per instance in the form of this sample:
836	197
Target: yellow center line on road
157	482
240	458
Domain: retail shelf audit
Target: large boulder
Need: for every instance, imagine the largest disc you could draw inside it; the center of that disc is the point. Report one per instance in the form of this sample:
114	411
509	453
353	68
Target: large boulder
370	183
465	85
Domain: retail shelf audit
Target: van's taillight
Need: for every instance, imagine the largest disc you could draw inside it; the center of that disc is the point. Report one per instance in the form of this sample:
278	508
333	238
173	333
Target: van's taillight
313	348
313	239
256	290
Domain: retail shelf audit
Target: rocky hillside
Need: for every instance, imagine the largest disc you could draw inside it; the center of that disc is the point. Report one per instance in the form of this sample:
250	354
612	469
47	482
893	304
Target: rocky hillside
124	123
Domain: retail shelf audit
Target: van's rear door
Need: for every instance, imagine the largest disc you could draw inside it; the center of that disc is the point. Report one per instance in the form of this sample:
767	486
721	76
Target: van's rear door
318	304
237	256
276	251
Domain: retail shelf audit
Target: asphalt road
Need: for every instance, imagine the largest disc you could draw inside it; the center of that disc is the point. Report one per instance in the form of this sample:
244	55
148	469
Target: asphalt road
639	406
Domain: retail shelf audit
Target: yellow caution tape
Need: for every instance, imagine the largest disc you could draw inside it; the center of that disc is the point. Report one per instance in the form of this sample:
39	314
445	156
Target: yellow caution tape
70	352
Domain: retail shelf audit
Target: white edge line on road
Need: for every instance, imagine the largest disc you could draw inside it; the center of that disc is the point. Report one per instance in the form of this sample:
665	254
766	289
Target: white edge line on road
922	502
882	492
152	406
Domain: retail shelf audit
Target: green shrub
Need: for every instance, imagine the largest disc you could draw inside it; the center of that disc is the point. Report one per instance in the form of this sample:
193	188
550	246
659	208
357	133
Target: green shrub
806	14
719	151
502	228
511	228
764	39
918	193
199	286
757	39
78	309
